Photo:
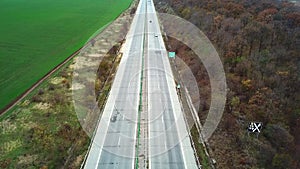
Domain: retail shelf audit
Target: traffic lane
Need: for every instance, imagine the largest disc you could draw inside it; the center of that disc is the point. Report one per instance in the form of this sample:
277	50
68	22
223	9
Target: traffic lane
119	141
137	35
160	65
167	120
132	66
142	7
182	131
176	154
96	148
156	135
150	7
120	138
110	159
165	161
185	143
105	120
164	146
130	117
171	156
123	128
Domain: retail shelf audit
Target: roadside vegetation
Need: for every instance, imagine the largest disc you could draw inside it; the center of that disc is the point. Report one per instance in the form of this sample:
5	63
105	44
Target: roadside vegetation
204	160
43	130
258	42
38	35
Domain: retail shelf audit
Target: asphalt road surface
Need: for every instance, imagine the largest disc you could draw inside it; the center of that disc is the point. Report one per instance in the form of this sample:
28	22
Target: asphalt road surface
114	144
169	144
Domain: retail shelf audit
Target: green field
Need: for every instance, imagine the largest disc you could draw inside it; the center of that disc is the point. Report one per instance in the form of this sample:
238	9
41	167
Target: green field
36	35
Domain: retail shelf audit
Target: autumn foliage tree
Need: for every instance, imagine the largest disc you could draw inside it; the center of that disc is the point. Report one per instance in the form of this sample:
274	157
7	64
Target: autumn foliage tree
258	41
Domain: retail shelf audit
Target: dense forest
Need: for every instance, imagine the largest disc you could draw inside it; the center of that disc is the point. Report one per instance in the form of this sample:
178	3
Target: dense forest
259	44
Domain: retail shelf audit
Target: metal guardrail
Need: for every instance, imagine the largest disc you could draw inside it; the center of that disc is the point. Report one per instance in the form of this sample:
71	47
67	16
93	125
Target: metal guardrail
198	126
192	141
195	118
186	122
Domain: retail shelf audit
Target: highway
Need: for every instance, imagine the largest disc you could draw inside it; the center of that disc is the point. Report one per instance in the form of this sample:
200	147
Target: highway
114	142
144	61
169	145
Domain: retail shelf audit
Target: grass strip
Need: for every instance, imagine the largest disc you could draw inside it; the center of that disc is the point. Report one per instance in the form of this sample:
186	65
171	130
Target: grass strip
205	164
